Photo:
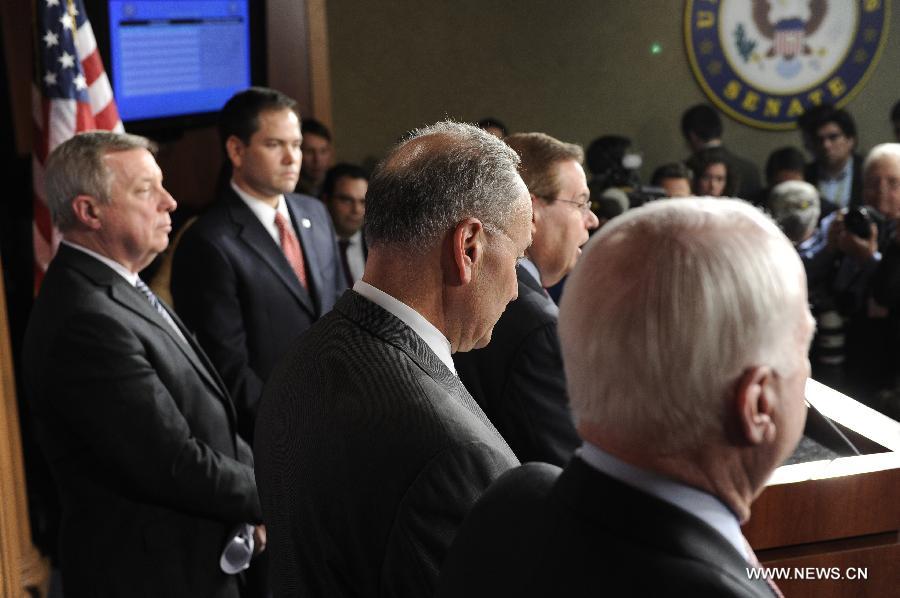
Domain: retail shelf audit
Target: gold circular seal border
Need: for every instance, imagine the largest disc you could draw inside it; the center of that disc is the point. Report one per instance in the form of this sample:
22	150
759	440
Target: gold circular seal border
752	122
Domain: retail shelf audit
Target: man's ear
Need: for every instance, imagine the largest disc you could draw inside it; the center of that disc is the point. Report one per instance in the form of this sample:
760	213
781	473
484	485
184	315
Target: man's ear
754	403
87	211
234	147
467	248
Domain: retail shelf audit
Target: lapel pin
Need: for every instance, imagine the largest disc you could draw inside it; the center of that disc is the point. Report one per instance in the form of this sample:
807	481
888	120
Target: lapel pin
306	223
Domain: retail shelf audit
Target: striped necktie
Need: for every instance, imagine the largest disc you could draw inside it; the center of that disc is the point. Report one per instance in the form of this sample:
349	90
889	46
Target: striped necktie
754	562
154	301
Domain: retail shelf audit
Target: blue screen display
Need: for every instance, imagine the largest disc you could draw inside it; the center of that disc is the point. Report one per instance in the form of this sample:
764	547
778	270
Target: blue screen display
171	58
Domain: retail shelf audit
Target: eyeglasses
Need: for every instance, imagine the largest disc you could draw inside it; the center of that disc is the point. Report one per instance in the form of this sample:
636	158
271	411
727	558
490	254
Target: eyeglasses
583	205
829	138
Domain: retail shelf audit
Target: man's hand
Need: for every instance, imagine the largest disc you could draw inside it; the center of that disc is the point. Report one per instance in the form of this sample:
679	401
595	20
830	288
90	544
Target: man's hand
259	539
856	247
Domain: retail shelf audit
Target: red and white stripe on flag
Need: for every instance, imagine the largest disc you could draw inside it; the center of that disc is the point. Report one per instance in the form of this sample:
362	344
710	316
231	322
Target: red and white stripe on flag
71	94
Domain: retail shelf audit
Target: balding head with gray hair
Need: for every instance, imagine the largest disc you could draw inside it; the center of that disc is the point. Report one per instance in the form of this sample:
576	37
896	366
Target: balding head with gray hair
670	305
437	177
76	167
795	206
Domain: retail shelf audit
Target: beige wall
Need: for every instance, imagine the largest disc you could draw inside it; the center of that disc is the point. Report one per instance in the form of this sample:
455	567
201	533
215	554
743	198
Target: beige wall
575	69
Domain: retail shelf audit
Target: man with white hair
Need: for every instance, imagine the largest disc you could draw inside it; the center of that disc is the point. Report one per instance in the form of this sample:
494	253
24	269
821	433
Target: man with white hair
370	449
138	428
684	332
795	207
850	264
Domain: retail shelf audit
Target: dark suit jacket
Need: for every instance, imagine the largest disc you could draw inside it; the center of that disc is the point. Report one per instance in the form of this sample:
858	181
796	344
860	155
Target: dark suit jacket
369	454
233	286
140	435
584	533
518	379
811	174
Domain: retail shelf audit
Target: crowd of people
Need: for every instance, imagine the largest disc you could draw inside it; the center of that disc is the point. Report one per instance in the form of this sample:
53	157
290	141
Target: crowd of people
353	365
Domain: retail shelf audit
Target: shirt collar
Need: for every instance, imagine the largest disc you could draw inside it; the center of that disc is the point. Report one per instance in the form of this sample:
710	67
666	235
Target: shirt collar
698	503
118	268
433	337
529	267
354	239
261	209
843	174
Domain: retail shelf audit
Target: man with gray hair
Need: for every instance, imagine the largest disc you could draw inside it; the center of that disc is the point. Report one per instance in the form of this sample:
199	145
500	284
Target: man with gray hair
684	332
859	282
518	379
137	427
370	451
795	207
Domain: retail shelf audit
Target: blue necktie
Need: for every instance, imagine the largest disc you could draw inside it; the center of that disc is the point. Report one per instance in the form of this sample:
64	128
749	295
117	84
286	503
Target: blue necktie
154	301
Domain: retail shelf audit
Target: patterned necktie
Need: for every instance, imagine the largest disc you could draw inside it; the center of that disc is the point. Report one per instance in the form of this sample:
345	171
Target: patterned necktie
754	562
291	248
154	301
344	244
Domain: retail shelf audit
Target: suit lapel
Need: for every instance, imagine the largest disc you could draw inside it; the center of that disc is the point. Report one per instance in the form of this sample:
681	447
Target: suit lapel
258	241
528	284
394	331
129	297
303	227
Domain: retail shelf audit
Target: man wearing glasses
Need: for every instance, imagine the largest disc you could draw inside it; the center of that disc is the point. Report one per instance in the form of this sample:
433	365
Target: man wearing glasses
837	169
518	379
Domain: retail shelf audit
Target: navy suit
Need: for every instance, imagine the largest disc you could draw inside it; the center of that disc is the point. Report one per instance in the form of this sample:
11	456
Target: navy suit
518	379
140	435
233	286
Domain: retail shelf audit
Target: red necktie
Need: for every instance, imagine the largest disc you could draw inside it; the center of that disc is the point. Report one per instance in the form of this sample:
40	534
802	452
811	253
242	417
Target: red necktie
291	248
754	562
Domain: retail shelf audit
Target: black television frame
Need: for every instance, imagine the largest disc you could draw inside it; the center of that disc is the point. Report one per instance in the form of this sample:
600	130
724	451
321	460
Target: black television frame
169	127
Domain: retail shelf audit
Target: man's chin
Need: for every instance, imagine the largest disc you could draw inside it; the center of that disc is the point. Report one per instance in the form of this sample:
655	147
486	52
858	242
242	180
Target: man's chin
485	340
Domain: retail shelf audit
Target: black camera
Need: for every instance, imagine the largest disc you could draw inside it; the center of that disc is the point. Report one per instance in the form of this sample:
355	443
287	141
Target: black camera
859	220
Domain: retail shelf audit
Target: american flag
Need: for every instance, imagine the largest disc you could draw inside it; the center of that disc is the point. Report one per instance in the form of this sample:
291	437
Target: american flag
71	94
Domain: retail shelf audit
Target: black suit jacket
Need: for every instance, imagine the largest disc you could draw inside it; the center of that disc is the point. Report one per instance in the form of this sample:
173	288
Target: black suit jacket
518	379
234	287
811	174
369	454
536	532
140	435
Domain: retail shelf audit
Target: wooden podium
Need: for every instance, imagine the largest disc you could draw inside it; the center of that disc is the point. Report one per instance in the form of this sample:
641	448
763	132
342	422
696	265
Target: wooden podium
830	521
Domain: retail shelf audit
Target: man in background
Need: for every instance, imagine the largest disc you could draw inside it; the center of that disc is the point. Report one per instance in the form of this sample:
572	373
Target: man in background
370	450
318	156
261	264
138	429
685	332
673	178
518	379
702	128
837	169
344	194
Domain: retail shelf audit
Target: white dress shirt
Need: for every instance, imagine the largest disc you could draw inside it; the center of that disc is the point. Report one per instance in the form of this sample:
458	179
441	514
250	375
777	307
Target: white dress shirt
118	268
356	257
433	337
264	212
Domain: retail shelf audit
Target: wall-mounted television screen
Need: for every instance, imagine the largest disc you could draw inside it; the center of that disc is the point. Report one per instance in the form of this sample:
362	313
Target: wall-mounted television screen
171	58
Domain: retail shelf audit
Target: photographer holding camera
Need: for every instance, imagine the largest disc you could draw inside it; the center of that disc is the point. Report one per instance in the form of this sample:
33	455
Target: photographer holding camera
856	273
